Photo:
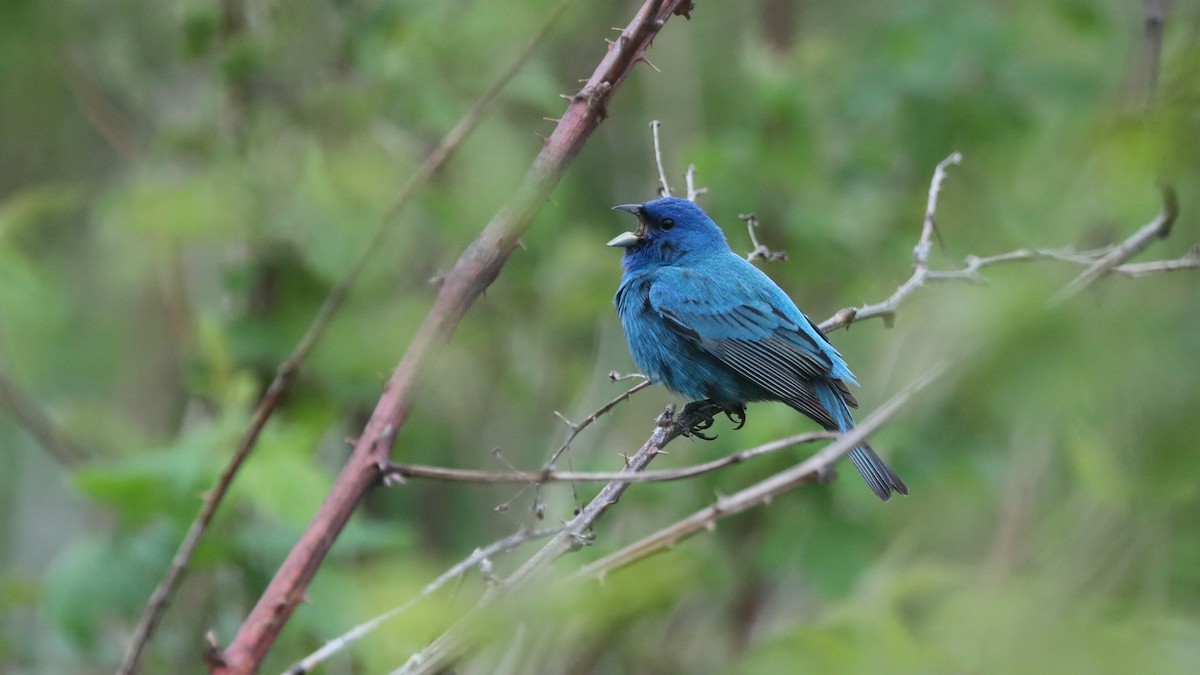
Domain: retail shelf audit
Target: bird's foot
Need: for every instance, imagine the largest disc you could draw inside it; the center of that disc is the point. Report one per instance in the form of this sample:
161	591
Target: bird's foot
698	416
736	415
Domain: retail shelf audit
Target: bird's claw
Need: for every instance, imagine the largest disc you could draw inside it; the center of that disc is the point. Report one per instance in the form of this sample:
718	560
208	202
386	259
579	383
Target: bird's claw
697	416
737	416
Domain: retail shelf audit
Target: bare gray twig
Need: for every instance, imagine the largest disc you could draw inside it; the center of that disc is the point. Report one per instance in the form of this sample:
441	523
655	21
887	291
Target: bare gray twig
477	558
1158	228
929	225
664	189
759	252
576	429
690	177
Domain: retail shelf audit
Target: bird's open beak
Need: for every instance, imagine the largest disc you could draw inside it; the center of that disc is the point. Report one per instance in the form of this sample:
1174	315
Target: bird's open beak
627	239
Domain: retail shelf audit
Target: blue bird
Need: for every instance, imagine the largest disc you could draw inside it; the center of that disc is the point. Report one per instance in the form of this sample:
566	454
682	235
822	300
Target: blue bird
710	326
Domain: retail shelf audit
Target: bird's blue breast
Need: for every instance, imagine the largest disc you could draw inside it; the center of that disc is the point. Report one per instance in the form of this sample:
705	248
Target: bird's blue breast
664	356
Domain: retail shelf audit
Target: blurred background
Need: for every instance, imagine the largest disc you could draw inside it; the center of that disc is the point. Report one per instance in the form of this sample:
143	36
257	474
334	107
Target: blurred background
182	182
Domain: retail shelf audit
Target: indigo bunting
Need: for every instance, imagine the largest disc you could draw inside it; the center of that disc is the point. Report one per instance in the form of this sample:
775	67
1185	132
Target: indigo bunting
710	326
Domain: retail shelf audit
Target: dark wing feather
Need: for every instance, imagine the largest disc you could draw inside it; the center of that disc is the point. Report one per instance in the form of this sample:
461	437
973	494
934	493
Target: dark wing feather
767	350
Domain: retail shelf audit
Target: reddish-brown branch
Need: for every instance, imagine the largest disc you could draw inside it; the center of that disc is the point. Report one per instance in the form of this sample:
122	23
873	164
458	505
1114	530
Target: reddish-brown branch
161	597
476	268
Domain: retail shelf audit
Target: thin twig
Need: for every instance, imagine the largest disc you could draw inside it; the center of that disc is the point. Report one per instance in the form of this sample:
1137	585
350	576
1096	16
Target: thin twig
1158	228
109	121
576	429
1188	261
759	252
664	189
474	271
449	644
808	471
163	593
887	309
690	178
477	557
1155	18
440	473
929	224
38	424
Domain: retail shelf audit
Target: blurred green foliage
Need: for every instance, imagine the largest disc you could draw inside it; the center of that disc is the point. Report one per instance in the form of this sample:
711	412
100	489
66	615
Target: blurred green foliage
182	183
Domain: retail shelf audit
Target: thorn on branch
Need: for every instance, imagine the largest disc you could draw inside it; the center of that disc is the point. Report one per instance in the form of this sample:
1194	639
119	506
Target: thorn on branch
488	572
569	423
643	59
390	475
826	474
594	96
213	656
666	419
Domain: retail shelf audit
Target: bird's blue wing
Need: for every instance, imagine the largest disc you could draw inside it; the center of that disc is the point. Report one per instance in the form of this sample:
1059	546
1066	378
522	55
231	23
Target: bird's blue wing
742	318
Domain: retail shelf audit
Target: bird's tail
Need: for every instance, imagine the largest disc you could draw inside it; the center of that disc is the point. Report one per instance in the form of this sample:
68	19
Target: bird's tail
879	476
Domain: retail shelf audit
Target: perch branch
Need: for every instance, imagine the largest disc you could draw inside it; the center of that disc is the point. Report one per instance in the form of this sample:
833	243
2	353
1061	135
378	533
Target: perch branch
435	657
808	471
161	597
476	268
403	471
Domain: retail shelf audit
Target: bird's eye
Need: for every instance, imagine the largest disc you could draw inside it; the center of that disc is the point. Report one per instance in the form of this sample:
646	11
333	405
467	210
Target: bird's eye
667	223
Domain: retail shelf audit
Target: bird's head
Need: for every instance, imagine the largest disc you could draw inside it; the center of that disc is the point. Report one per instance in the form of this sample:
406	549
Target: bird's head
669	229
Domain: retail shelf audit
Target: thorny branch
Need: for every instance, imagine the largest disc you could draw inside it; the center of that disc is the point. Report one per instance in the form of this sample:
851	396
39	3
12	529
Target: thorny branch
161	597
474	271
810	470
